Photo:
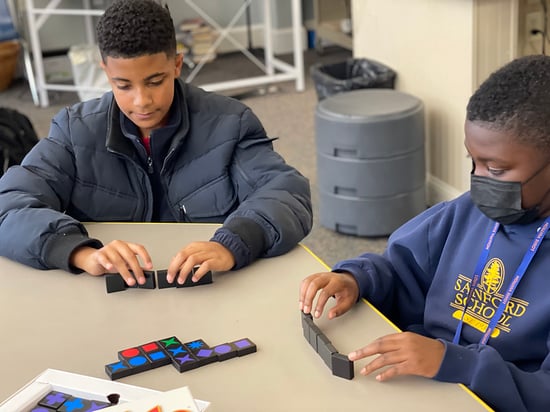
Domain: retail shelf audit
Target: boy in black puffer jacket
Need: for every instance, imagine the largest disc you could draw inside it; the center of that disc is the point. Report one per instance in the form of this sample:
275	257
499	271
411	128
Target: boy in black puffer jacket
154	149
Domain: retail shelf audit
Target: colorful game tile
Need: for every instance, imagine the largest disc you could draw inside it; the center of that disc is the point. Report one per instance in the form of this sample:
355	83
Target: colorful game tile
183	356
225	351
54	399
62	402
185	361
137	358
206	356
244	346
118	370
75	404
156	355
196	345
133	361
172	346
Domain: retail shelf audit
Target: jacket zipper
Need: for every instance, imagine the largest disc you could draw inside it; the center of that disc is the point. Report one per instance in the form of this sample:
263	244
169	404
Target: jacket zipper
150	165
183	213
139	168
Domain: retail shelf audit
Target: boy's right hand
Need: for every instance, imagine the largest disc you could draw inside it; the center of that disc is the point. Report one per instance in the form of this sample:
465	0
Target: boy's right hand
117	256
341	286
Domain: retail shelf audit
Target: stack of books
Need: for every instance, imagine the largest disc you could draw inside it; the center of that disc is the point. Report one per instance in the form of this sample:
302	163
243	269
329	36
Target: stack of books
197	37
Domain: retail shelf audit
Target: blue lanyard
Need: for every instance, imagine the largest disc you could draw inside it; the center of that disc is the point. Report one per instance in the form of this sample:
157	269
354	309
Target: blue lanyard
522	268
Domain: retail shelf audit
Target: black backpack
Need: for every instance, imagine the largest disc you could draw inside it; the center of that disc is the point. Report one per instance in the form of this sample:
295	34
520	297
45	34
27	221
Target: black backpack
17	137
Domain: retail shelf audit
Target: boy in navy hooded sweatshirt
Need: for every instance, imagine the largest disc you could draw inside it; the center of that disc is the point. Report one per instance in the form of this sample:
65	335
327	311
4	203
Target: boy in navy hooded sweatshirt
468	280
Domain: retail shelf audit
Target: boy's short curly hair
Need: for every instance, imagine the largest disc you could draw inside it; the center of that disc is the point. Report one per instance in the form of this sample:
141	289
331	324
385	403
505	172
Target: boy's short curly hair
133	28
516	99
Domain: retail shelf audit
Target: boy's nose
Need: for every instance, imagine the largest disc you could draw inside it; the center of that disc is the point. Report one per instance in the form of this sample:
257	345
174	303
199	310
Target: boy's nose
142	98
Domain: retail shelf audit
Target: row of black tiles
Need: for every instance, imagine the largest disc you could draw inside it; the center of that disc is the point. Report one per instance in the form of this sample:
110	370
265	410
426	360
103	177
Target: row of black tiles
115	283
338	363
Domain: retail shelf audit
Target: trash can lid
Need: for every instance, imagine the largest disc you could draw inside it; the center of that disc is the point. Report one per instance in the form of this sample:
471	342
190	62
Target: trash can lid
369	104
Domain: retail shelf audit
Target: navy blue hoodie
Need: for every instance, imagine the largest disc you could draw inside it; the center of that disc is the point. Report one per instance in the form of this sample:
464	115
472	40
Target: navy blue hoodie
423	277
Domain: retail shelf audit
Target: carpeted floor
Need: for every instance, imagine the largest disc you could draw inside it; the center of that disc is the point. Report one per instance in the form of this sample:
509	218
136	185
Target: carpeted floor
285	113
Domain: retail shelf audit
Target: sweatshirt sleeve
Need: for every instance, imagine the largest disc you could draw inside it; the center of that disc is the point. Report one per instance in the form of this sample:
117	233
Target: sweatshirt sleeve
397	281
504	386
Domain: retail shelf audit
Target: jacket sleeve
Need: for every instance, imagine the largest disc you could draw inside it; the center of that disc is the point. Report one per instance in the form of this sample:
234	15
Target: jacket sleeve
503	385
33	228
275	210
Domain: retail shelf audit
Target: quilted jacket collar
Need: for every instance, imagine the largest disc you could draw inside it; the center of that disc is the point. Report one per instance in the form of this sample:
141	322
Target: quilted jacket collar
117	142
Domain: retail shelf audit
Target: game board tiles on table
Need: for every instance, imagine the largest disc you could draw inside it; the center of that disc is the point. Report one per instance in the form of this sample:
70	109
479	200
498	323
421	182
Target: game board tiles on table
339	364
115	282
183	356
63	402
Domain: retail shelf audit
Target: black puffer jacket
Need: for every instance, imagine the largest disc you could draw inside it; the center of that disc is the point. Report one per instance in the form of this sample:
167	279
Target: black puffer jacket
220	167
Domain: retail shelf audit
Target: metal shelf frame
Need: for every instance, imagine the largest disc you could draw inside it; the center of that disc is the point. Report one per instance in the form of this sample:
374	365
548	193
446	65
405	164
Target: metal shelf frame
36	17
271	64
275	70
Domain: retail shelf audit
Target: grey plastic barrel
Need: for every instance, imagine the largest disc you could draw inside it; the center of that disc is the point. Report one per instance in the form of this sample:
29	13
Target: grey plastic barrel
370	161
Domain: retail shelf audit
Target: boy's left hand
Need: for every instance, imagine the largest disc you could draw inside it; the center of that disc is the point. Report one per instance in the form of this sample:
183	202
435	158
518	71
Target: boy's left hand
209	256
404	353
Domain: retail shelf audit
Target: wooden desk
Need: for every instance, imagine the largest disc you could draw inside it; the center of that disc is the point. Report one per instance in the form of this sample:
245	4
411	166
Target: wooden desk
51	319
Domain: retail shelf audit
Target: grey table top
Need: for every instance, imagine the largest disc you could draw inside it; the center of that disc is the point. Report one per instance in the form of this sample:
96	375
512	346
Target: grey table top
52	319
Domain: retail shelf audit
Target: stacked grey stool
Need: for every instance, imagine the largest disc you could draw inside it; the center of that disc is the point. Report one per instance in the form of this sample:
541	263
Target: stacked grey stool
370	161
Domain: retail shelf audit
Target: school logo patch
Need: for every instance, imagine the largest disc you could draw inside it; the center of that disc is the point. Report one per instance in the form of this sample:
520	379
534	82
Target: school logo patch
485	299
493	276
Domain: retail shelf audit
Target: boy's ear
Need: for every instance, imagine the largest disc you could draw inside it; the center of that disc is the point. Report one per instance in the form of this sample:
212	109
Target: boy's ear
179	64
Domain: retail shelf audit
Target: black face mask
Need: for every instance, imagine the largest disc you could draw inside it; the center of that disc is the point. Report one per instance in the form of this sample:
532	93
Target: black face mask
501	201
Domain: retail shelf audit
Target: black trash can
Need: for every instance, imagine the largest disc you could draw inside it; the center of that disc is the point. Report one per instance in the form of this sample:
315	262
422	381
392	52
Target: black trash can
352	74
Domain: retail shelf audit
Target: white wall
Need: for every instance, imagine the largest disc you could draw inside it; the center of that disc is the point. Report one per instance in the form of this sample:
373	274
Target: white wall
435	48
